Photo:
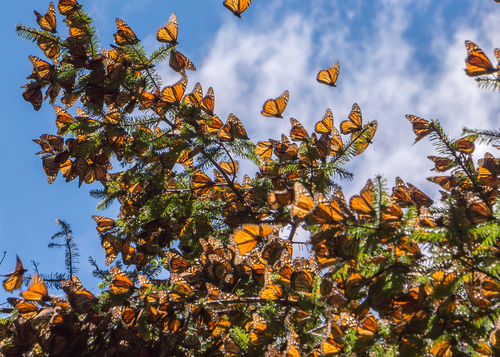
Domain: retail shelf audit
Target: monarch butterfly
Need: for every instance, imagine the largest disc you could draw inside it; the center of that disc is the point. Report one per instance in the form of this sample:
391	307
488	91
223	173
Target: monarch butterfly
50	48
208	102
63	120
298	132
213	125
112	246
271	290
354	123
50	143
173	94
233	129
325	125
277	249
333	344
302	281
325	212
421	127
329	76
303	202
446	182
168	33
442	163
465	144
487	178
362	204
195	96
259	333
42	70
490	163
93	168
401	193
366	139
477	210
67	7
280	198
124	34
264	149
442	349
79	298
27	309
237	6
418	197
127	315
33	94
178	264
78	56
369	327
179	63
477	62
275	107
201	184
47	22
15	279
37	291
249	235
392	213
120	282
230	168
104	224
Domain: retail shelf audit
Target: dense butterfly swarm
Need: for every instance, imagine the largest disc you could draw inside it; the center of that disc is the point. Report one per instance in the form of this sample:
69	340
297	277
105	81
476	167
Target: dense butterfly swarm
390	273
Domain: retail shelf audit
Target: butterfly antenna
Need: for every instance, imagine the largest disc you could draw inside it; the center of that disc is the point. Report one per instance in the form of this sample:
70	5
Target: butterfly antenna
5	252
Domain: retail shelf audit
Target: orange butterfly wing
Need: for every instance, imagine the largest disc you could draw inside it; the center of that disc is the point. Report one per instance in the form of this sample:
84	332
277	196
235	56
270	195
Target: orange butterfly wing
237	6
15	279
173	94
169	32
354	123
124	34
47	22
37	291
329	76
275	107
477	63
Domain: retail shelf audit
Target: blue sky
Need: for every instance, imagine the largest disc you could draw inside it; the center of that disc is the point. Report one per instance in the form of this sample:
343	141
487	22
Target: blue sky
396	57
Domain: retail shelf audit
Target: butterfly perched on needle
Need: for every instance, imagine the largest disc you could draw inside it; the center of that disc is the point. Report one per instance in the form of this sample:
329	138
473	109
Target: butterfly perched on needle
47	22
421	127
477	62
354	123
15	279
237	6
275	107
124	34
329	76
168	33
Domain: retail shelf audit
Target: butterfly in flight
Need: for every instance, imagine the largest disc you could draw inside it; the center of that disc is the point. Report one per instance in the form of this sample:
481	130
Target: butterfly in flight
168	33
275	107
477	62
237	6
14	279
329	76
